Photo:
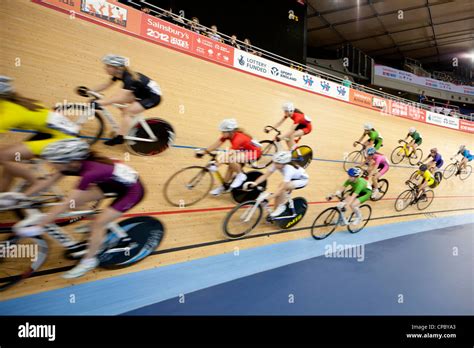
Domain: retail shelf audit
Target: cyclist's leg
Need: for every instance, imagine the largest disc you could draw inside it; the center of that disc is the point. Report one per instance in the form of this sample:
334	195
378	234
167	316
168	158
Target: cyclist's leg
378	143
9	160
235	168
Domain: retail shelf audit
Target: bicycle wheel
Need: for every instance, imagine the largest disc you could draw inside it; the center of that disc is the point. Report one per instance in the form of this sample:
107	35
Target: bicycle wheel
366	212
397	155
302	156
355	158
383	188
325	223
450	170
239	195
92	129
301	206
242	219
438	176
404	200
269	148
426	201
145	233
416	157
20	258
465	173
188	186
162	130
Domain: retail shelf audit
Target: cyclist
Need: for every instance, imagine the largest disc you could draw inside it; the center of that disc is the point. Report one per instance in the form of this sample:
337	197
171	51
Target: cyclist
138	91
98	176
416	140
294	178
378	166
244	149
466	157
360	192
435	160
374	138
17	111
301	125
428	180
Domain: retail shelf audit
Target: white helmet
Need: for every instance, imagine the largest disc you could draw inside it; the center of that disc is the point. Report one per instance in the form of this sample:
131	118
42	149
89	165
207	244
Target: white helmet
115	60
288	107
412	130
368	126
282	157
5	85
228	125
65	151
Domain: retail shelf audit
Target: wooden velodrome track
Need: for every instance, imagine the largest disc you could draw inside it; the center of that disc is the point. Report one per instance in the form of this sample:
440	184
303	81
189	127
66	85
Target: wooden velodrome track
58	53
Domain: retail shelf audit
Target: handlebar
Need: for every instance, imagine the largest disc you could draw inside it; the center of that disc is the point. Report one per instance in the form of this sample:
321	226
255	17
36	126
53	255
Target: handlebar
361	144
402	141
86	92
267	129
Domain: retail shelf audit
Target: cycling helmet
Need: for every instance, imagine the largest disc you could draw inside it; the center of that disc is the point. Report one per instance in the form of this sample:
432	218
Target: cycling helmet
115	60
462	147
371	151
282	157
65	151
228	125
411	130
354	172
5	85
423	168
288	107
434	149
368	126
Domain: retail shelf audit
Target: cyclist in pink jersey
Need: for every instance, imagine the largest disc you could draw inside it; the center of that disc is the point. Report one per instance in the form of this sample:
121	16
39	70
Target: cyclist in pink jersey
378	166
98	176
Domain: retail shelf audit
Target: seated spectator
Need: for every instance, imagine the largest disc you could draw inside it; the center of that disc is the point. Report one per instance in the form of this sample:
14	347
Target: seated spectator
346	82
248	47
233	42
213	35
146	9
195	26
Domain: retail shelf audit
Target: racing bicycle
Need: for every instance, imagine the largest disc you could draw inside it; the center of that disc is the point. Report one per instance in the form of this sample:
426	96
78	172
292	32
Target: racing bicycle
404	151
453	169
412	197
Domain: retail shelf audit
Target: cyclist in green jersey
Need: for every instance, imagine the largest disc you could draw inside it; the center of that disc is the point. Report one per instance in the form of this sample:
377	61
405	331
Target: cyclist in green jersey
360	193
416	139
375	139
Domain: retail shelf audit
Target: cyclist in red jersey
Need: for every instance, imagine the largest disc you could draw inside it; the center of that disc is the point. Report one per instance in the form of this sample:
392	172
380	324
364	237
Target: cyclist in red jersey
243	150
301	125
98	176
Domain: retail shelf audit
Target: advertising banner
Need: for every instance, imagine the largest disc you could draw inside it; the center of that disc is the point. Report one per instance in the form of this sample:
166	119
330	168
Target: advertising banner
405	76
166	33
466	126
408	111
442	120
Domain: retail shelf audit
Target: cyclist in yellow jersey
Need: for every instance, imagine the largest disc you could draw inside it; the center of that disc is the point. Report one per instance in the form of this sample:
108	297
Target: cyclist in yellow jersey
19	112
428	179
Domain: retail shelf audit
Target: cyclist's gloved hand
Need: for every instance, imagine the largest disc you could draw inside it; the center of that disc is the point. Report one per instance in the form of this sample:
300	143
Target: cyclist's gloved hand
10	198
354	144
199	153
266	130
82	91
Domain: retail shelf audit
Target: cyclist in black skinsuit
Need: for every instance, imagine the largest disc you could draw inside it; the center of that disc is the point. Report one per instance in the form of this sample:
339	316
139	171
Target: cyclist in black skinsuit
139	91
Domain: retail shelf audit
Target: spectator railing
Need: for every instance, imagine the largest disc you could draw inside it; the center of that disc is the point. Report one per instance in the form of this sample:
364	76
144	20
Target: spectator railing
179	20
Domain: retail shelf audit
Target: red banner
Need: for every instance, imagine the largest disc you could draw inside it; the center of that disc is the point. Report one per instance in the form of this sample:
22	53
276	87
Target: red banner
408	111
466	126
211	49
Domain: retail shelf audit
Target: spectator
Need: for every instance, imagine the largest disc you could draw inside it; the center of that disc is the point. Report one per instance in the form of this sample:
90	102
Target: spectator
213	35
233	42
346	82
146	9
422	97
248	48
195	26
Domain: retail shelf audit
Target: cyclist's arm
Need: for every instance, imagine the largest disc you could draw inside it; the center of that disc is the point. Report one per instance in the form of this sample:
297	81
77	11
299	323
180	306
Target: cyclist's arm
214	146
279	123
263	177
53	214
103	86
43	184
118	98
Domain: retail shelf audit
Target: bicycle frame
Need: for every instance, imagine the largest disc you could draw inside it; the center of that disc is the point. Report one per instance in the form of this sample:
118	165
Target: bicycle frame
115	127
